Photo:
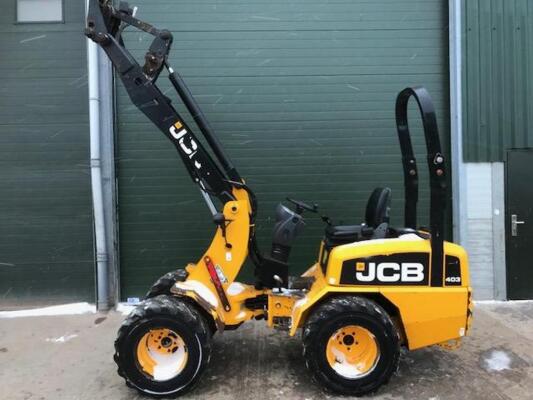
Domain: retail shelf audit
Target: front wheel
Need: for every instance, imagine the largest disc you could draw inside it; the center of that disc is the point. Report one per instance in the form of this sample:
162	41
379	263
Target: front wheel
351	346
163	347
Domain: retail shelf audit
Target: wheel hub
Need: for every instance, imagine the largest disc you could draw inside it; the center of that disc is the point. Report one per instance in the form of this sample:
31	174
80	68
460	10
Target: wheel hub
161	354
166	342
352	352
348	340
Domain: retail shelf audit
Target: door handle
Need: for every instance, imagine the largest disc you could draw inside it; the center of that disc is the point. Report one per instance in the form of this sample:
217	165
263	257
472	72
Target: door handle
514	224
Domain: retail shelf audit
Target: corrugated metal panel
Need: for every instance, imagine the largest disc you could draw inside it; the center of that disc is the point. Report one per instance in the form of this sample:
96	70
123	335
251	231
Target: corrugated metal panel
499	77
302	95
46	252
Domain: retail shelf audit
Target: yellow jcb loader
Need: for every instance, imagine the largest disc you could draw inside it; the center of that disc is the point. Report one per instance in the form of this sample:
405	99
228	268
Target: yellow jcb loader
374	288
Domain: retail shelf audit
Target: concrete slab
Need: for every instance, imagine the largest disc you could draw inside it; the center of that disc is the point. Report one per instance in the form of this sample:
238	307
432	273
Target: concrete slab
70	358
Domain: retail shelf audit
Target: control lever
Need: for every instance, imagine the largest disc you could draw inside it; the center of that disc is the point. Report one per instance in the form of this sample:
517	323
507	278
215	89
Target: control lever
223	223
301	206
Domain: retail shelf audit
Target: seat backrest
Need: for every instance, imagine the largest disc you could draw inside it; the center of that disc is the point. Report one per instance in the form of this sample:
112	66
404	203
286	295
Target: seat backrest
378	207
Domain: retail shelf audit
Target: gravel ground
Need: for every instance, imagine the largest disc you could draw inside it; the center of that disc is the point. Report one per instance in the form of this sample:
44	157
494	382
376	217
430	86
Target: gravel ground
70	357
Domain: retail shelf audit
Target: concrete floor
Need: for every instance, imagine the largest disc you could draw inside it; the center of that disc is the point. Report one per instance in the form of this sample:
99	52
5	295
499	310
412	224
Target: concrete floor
70	357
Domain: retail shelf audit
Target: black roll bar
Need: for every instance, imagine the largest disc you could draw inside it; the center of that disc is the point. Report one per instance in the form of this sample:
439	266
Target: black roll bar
437	173
105	25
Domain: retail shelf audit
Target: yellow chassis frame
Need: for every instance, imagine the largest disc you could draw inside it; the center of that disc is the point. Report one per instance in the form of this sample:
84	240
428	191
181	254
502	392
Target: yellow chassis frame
426	315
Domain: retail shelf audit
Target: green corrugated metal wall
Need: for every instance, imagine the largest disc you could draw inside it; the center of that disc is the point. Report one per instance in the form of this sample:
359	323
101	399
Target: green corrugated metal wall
302	95
46	252
498	67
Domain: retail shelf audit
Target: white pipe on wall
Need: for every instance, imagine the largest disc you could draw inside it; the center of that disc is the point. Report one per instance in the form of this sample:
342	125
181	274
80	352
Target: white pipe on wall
102	258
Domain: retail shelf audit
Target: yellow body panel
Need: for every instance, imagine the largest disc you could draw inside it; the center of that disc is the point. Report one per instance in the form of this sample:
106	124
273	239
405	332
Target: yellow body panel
231	258
228	260
429	315
406	244
279	305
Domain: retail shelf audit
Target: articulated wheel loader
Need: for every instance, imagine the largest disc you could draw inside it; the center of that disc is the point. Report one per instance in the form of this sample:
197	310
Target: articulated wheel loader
374	288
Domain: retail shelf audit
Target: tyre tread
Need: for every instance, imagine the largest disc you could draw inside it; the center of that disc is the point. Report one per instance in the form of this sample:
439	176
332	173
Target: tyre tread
343	305
176	308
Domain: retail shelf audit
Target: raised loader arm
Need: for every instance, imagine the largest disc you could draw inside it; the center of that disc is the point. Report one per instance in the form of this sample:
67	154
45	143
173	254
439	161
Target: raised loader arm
105	25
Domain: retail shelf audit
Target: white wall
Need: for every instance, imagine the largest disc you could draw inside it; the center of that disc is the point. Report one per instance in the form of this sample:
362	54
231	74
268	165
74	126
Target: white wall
485	229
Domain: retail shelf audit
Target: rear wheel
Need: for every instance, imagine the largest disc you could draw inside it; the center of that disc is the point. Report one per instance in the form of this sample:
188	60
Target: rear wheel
163	347
351	346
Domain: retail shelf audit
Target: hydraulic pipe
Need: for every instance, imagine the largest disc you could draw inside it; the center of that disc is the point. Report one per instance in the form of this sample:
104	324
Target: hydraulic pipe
202	122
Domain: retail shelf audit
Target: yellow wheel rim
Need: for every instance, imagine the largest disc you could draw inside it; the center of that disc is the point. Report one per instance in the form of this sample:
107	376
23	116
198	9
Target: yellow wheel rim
162	354
352	352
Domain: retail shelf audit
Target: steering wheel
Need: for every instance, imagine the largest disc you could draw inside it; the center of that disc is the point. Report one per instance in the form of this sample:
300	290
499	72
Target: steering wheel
301	206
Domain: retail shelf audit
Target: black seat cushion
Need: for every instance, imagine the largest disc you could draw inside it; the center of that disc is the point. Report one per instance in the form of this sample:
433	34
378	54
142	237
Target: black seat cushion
342	234
377	212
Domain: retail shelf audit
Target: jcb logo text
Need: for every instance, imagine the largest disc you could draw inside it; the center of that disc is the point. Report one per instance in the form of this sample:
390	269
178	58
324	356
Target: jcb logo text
389	272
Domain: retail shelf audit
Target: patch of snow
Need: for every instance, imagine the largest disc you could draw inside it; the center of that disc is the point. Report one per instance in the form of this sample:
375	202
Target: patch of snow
300	303
61	339
346	369
168	366
200	289
65	309
412	237
133	300
235	288
125	308
498	361
408	237
502	302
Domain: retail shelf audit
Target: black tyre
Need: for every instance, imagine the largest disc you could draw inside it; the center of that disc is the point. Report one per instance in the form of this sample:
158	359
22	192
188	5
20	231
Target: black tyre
164	283
351	346
163	347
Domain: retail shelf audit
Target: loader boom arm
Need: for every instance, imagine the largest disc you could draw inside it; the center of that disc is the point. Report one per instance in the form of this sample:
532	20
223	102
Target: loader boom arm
105	24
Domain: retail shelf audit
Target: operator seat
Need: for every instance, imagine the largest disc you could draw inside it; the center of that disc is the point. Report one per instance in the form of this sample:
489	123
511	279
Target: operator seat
375	225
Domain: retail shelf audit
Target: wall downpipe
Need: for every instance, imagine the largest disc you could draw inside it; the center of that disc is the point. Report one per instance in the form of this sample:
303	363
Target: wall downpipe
456	122
102	257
